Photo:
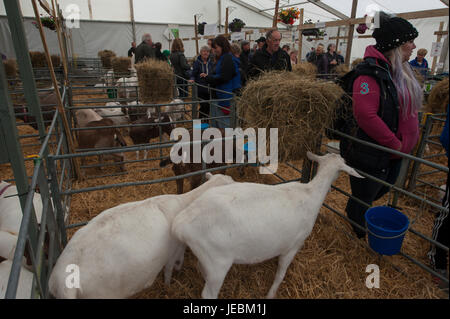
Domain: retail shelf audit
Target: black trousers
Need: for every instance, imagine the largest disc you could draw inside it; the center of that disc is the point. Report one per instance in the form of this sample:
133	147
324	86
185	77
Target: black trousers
438	256
369	191
204	106
183	88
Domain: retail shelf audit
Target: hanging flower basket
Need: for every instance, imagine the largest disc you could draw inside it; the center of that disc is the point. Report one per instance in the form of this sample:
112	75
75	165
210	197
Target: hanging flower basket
361	29
201	28
288	16
47	22
236	25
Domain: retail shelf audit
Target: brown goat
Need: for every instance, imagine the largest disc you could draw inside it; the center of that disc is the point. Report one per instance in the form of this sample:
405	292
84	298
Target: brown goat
102	138
142	134
184	168
47	102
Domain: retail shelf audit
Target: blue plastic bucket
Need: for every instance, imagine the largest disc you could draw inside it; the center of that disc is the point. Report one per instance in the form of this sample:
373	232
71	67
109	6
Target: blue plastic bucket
387	227
250	146
202	126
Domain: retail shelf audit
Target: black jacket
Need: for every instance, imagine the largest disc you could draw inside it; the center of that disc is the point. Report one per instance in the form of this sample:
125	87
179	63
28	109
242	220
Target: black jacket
263	61
244	57
364	157
179	64
143	51
131	51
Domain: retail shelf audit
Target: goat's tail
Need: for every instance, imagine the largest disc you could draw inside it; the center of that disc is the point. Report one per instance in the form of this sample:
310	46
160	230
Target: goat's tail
165	162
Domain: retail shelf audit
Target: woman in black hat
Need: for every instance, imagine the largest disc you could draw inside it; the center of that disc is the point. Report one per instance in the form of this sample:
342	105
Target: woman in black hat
386	100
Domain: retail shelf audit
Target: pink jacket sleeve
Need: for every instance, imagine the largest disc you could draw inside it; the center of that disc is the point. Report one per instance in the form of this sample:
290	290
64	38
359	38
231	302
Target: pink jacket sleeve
366	101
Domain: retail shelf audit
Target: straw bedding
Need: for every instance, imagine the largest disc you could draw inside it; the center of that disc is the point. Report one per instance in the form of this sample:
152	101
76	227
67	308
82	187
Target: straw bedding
438	99
331	264
305	68
300	107
38	59
356	62
155	80
341	69
56	60
106	57
10	66
121	66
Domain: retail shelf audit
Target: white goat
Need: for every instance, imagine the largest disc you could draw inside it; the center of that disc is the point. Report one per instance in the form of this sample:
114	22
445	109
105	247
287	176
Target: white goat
127	87
84	116
25	281
11	211
122	250
179	110
115	114
8	243
247	223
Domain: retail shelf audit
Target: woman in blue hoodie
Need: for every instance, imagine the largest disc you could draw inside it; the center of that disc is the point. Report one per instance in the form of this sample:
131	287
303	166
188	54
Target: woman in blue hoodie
202	64
226	77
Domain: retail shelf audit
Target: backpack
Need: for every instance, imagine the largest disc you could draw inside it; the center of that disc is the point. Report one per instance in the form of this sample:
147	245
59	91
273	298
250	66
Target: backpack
344	120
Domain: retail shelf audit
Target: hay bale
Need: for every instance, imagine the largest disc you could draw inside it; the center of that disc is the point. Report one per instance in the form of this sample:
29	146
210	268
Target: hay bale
10	66
155	80
121	66
341	69
56	60
438	99
419	77
356	62
300	107
106	57
305	69
38	59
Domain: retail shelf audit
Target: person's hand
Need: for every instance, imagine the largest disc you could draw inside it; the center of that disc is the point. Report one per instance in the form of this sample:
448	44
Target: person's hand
203	75
333	62
191	81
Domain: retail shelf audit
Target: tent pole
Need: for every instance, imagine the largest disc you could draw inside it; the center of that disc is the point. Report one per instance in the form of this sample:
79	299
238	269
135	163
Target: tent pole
351	30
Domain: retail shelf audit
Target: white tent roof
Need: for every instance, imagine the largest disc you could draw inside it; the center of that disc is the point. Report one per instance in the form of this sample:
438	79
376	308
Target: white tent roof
154	16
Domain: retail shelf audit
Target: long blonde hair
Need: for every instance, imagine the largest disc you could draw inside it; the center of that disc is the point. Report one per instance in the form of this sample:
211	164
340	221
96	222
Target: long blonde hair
408	88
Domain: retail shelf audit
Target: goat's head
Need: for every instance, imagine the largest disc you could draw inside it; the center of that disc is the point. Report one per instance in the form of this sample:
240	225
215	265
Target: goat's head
218	179
335	160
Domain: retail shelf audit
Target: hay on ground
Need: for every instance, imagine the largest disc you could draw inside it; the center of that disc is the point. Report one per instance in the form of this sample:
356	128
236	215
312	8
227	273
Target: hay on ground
106	57
305	68
356	62
121	66
438	99
342	69
10	66
38	59
155	81
300	107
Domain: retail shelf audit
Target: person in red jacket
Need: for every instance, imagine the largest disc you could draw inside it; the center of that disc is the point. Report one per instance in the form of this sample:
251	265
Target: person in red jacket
386	100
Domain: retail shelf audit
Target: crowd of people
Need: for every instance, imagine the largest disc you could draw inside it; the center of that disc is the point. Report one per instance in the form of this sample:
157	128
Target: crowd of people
383	81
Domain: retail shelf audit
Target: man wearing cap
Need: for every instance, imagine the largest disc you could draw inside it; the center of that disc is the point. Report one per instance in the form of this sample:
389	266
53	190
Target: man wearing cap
386	99
270	56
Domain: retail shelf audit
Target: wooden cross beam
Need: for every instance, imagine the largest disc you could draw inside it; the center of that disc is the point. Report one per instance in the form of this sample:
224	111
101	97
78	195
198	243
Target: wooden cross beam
44	5
439	37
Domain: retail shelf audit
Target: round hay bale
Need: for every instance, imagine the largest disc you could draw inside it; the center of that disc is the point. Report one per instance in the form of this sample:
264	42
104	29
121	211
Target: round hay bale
106	57
305	69
300	107
356	62
342	69
438	99
56	60
10	68
121	66
38	59
155	80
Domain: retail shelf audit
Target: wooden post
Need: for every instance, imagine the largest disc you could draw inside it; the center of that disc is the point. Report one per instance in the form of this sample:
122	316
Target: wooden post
133	23
351	30
439	37
90	9
444	52
337	38
226	21
196	33
59	103
63	55
300	38
275	15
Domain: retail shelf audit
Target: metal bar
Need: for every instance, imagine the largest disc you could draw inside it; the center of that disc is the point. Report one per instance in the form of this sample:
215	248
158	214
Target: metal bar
421	265
428	173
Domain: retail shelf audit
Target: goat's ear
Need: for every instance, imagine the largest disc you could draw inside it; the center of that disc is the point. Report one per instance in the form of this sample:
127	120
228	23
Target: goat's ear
350	171
312	157
208	176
